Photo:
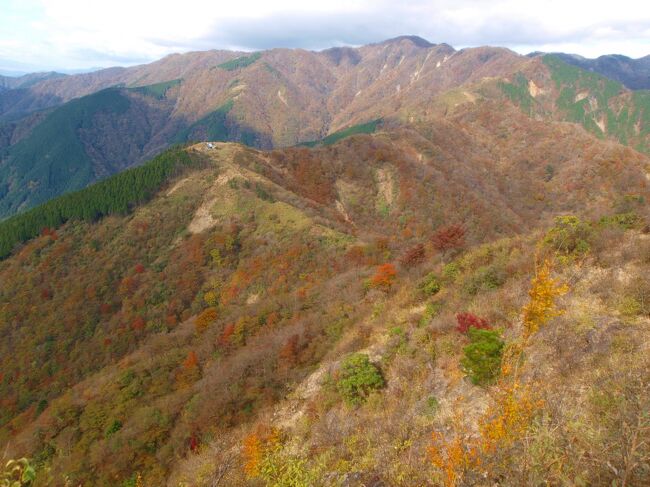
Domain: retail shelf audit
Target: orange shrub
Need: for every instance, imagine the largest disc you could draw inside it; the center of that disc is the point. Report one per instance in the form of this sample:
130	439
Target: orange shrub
252	454
256	446
384	277
224	338
452	457
508	419
205	319
502	424
191	362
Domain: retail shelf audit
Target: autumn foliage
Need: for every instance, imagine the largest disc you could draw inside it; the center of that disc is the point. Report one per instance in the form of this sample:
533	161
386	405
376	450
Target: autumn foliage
506	421
452	457
48	232
289	351
256	446
469	320
205	319
193	443
448	237
543	292
224	338
384	277
509	417
191	362
138	323
413	256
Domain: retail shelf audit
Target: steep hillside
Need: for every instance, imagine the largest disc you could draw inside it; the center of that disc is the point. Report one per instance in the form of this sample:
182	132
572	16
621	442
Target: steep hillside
170	336
548	88
80	142
633	73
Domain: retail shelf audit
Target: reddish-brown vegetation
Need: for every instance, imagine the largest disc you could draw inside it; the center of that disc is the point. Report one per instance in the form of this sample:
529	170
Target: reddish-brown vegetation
384	277
469	320
413	256
448	237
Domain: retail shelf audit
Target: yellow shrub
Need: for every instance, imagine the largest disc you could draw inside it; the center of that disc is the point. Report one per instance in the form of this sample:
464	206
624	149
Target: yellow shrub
543	292
509	417
211	298
504	423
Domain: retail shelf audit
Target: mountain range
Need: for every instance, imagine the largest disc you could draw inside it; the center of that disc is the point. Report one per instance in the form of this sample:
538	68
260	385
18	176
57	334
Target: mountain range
393	265
633	73
59	133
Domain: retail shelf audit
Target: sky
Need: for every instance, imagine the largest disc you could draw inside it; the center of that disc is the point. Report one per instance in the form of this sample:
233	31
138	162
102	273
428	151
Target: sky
67	35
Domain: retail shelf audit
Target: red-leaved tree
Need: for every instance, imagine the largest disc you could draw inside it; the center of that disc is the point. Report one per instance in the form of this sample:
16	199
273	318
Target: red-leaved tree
470	320
384	276
224	338
448	237
413	256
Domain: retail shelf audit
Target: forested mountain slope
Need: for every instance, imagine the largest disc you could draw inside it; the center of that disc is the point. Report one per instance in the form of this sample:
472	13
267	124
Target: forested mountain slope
201	335
633	73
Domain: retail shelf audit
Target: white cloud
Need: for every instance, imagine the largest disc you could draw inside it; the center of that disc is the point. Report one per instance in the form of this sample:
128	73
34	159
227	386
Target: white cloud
76	33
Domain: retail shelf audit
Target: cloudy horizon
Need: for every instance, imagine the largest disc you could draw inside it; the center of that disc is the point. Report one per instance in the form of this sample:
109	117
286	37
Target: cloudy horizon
69	35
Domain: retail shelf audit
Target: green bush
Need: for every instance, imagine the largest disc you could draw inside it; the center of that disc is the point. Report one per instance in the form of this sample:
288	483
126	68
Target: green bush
570	236
17	473
431	406
482	360
115	426
396	331
430	285
451	271
430	311
280	468
358	378
485	278
626	221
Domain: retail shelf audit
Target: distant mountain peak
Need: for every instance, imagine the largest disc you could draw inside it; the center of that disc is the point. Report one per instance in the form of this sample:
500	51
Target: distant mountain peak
416	40
338	54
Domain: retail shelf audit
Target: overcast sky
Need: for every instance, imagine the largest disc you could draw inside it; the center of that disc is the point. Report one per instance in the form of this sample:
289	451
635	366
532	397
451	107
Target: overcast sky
82	34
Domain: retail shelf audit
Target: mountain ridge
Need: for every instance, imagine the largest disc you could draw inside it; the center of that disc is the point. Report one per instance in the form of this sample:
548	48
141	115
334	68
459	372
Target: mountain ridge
633	73
284	97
